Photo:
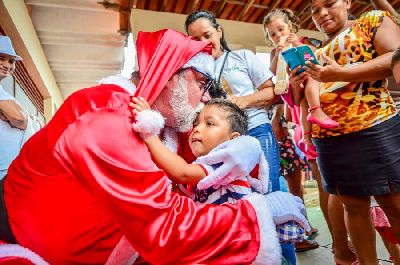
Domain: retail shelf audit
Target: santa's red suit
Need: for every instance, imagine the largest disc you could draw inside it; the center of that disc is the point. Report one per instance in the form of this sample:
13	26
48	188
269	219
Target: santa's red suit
87	179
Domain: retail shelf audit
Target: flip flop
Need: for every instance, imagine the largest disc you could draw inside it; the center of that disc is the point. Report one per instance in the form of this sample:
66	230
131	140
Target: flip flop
314	234
308	245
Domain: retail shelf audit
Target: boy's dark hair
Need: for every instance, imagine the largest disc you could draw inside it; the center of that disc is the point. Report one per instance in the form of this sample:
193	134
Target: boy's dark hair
211	17
396	57
237	118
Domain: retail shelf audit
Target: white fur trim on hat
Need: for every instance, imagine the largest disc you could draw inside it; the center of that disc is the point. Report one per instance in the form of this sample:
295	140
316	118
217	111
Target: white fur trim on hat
269	252
121	81
14	250
202	62
149	122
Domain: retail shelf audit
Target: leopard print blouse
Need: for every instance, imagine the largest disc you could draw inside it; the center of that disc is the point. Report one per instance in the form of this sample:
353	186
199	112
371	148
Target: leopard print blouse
355	106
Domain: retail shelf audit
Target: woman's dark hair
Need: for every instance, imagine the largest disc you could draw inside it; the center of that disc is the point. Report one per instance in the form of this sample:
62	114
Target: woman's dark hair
396	57
286	14
210	16
236	117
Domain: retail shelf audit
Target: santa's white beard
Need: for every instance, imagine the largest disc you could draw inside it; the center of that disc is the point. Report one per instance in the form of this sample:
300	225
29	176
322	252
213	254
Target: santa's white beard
184	113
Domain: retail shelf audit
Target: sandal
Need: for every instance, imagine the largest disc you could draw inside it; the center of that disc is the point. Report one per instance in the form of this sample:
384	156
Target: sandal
313	234
306	245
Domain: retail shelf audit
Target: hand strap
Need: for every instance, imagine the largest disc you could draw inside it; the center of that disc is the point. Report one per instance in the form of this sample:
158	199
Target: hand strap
313	108
222	69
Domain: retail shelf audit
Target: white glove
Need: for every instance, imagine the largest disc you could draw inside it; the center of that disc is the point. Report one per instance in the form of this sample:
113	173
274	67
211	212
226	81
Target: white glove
285	207
148	123
238	156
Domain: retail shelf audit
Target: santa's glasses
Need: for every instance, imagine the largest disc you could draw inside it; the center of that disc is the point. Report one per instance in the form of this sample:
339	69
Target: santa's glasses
205	83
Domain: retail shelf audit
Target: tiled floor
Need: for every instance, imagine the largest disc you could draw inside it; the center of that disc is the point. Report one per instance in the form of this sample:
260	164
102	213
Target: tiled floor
323	254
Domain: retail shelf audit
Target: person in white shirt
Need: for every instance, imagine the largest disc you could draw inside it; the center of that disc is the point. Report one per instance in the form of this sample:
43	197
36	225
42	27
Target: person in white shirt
13	119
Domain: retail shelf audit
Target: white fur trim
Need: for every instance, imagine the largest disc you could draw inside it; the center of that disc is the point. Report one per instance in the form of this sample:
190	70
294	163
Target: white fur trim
261	184
170	139
202	62
119	80
148	122
14	250
270	250
123	254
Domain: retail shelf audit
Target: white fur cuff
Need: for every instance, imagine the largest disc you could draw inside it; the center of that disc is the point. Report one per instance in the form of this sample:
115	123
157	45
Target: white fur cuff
270	250
148	122
14	250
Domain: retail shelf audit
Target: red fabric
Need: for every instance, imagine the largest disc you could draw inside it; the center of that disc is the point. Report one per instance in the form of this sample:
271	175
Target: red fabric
161	54
86	179
382	225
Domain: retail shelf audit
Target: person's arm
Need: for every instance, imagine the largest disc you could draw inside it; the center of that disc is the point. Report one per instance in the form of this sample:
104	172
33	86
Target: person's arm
384	5
14	114
261	77
174	166
297	82
264	97
274	60
386	41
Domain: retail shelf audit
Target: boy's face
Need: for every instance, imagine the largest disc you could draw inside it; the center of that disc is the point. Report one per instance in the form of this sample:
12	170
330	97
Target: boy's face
396	73
210	129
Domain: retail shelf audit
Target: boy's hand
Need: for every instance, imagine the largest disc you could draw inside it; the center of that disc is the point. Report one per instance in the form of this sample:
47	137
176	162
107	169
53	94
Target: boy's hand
138	105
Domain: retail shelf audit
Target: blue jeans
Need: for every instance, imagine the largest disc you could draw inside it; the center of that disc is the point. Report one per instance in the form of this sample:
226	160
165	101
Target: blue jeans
289	253
269	145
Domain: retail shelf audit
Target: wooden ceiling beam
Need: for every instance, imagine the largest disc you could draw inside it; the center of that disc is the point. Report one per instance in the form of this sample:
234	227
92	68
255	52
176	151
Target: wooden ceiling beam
221	6
245	9
274	5
164	4
194	5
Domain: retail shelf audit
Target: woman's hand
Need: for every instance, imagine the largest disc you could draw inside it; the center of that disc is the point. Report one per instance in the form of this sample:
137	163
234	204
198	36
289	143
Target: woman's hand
242	102
330	72
297	81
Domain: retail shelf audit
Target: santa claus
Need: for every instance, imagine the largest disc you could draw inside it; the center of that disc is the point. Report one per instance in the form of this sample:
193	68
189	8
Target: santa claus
87	179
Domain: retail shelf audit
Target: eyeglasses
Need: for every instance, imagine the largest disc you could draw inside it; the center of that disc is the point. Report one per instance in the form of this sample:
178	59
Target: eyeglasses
205	84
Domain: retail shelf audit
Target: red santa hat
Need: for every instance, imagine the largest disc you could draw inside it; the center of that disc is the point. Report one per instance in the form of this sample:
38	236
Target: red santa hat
161	54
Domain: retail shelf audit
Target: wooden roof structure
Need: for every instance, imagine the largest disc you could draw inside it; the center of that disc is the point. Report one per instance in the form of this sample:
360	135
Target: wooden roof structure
252	11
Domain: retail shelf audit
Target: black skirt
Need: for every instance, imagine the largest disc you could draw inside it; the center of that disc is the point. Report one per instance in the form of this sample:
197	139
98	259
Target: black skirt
366	162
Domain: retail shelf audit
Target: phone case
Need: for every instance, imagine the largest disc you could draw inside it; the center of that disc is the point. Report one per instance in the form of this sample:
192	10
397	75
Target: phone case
298	56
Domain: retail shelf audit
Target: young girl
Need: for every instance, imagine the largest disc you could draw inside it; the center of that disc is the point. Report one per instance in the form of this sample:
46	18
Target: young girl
280	27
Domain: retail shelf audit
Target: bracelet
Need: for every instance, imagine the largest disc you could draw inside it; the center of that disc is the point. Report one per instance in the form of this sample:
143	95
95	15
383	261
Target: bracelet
305	133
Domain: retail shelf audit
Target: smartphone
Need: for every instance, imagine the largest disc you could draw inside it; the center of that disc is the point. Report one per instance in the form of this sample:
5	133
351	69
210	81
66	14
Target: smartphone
299	56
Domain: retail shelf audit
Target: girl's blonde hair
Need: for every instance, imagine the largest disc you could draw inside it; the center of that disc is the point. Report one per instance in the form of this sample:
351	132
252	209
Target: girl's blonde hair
287	15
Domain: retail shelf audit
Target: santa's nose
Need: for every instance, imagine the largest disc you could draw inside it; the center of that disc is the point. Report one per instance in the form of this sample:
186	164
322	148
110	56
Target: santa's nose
206	97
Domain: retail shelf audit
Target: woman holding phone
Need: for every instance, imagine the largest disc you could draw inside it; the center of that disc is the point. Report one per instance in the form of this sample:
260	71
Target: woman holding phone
361	157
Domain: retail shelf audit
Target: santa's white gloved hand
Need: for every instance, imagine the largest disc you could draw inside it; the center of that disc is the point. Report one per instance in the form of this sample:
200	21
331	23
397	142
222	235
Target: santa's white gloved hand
148	123
238	156
286	207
